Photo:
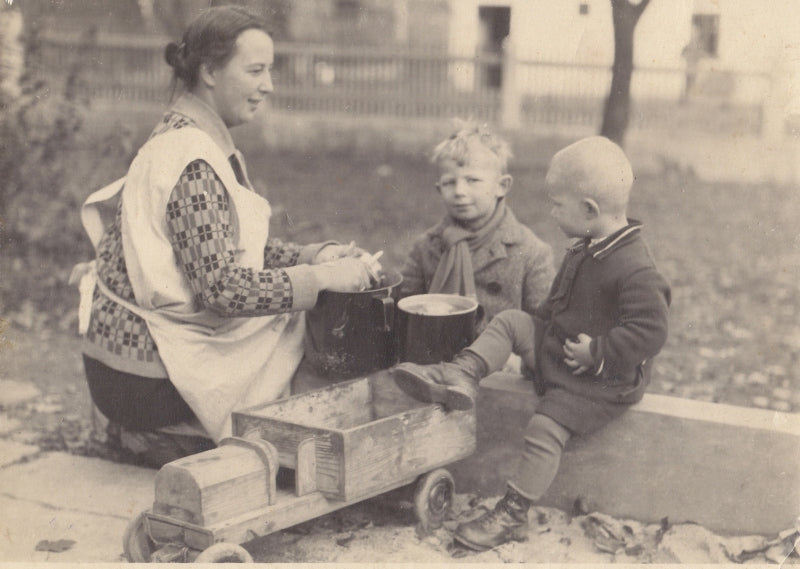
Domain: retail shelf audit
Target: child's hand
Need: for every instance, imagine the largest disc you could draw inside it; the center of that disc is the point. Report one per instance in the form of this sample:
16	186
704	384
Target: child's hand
579	354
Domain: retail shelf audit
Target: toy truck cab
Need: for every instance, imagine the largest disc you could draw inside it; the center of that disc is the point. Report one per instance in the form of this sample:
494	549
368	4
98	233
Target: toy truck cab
333	447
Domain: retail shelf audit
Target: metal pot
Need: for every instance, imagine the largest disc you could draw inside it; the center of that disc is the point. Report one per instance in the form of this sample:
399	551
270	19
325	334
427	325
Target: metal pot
432	328
352	333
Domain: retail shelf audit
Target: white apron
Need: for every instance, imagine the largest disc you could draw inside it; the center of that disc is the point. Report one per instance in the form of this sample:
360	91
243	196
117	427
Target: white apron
217	364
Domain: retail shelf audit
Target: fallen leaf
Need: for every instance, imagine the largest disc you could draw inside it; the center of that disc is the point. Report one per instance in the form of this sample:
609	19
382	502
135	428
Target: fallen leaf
742	548
778	553
456	550
580	507
344	541
55	546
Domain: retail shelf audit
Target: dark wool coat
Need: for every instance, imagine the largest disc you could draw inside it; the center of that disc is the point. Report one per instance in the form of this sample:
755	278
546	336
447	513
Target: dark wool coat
613	292
513	270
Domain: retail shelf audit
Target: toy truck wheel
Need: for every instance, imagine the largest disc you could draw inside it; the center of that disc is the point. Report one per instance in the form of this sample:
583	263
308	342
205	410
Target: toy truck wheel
224	553
136	544
433	498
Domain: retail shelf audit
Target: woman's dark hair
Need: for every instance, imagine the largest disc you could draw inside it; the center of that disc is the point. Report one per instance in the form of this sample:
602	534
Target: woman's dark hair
209	38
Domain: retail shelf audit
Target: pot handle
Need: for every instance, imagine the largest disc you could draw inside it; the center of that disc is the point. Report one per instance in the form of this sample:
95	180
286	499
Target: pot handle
387	303
479	314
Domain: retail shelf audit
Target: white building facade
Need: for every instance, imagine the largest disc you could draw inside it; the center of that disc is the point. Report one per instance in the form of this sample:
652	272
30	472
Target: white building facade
749	39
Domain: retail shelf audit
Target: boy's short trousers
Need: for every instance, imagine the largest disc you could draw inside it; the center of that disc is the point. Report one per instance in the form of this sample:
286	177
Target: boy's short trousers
578	414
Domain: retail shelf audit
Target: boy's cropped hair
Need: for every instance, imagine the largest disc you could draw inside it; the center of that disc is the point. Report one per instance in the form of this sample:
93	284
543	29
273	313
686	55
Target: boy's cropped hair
456	146
597	168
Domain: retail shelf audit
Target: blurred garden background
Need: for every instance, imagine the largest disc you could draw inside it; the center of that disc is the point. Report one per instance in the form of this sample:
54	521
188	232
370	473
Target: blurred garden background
364	90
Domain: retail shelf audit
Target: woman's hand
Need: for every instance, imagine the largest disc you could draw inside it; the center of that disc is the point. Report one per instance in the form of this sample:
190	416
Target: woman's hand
333	252
346	274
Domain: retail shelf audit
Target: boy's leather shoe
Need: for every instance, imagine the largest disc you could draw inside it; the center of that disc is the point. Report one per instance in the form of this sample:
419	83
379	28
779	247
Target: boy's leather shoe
508	521
444	383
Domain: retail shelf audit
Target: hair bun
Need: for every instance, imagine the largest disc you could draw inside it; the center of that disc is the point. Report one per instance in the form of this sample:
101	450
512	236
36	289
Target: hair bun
173	55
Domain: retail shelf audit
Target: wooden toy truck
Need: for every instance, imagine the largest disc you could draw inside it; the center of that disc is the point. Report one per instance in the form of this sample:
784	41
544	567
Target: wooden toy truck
335	446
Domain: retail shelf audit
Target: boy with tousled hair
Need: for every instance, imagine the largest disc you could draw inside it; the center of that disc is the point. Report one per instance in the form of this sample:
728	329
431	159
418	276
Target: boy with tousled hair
479	248
591	343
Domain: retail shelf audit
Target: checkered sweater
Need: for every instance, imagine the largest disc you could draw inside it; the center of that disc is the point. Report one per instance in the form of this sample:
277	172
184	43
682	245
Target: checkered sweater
205	250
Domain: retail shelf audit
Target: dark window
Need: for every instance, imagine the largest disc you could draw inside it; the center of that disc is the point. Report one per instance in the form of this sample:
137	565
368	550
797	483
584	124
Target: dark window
347	9
495	24
583	9
706	30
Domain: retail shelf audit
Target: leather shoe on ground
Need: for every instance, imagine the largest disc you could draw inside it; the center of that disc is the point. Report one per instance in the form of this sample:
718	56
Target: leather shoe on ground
508	521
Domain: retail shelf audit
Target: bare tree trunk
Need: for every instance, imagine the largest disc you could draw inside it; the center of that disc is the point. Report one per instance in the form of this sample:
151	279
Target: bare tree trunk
617	107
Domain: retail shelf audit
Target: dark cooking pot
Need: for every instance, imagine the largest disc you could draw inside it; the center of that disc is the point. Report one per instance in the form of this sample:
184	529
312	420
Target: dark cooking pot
351	333
433	328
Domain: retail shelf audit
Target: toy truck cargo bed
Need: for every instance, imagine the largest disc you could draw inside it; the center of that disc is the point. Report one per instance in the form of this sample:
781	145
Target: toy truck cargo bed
359	436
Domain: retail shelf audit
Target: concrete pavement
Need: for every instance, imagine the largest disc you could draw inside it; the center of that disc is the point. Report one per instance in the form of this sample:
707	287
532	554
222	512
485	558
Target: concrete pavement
55	506
50	497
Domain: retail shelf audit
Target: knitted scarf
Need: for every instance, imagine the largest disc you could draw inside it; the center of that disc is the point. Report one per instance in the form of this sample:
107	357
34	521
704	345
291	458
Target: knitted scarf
454	274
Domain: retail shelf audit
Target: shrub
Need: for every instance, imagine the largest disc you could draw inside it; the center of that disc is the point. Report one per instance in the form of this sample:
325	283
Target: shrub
48	166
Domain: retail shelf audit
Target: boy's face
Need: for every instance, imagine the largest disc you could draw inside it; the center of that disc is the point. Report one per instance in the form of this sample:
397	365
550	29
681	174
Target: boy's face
470	191
569	209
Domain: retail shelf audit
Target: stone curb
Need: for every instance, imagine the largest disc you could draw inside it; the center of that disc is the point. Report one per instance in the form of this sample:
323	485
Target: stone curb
731	469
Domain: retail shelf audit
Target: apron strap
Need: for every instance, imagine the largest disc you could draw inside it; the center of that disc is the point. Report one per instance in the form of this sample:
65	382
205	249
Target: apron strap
90	213
85	274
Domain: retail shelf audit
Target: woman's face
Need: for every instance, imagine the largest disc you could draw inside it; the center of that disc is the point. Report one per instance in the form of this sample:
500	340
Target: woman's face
243	83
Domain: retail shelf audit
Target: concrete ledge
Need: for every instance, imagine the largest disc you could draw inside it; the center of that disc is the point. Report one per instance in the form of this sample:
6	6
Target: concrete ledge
732	469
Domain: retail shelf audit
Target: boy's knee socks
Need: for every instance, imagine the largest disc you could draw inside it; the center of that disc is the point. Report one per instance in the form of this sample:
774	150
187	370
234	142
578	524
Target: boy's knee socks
541	457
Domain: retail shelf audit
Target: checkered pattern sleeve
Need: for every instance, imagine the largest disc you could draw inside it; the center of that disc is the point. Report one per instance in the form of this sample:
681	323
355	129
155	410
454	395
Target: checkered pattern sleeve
199	223
280	254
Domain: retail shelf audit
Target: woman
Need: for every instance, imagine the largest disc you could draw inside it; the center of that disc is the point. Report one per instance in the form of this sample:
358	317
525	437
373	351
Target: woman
196	312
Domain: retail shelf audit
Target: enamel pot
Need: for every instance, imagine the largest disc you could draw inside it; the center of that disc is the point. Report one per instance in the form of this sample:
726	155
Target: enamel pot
352	333
433	328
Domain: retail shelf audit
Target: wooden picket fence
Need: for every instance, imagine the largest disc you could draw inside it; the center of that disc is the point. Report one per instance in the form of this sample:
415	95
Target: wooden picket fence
415	84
